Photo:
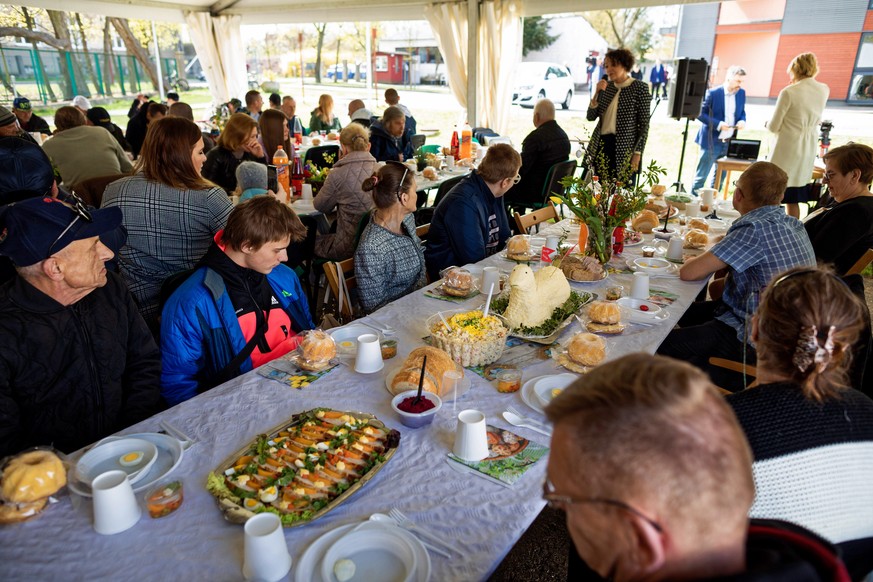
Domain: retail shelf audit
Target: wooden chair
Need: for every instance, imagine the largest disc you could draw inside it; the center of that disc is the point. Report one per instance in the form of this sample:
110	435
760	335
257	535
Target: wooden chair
861	264
347	267
528	220
422	231
91	190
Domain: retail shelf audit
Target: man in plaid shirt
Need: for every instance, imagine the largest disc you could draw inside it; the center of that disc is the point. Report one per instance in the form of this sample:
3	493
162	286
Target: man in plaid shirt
760	245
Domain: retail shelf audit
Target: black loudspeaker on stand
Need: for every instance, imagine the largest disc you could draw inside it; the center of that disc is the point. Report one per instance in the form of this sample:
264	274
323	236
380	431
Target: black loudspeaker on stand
687	89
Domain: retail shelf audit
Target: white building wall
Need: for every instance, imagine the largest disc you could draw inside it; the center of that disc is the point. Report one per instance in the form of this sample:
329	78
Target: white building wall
575	38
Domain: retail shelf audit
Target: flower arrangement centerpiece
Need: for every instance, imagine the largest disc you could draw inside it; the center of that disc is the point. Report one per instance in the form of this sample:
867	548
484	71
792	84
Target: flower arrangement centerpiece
420	159
605	203
316	175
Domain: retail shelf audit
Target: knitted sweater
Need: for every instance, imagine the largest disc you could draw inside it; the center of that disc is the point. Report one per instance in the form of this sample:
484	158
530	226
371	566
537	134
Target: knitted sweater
388	265
813	461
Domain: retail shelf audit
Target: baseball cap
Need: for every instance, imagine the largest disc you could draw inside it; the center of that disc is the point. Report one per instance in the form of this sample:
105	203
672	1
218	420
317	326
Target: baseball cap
25	170
32	229
6	117
99	116
21	103
81	102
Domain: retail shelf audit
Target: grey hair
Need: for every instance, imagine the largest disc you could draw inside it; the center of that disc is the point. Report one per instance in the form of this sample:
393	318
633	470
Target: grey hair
735	71
251	175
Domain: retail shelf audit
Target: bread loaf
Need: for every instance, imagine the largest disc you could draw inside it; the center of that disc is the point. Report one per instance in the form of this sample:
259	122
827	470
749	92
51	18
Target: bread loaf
645	221
695	239
586	349
604	312
698	224
317	347
438	363
518	246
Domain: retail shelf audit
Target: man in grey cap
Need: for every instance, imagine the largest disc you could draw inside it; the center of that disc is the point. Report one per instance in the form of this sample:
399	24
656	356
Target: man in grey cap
9	126
27	119
77	361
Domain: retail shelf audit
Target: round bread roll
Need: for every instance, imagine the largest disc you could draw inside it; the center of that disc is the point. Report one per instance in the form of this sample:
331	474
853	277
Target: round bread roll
32	476
316	141
658	190
604	312
15	512
458	282
645	221
696	239
586	349
699	224
518	246
318	347
333	136
429	173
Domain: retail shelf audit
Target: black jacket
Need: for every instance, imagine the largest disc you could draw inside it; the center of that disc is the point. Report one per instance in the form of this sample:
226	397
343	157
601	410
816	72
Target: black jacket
541	149
36	123
136	131
385	147
72	375
220	167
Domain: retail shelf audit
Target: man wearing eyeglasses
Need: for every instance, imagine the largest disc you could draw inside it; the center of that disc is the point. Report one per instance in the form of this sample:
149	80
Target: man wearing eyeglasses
77	361
654	474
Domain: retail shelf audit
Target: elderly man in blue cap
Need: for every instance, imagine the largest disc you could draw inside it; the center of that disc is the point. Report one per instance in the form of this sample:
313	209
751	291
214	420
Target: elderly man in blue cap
77	361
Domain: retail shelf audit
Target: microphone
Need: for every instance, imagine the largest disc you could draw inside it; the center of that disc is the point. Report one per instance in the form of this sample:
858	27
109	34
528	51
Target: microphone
604	78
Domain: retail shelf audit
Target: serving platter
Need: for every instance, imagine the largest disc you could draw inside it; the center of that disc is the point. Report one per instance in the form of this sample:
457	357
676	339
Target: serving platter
586	298
231	501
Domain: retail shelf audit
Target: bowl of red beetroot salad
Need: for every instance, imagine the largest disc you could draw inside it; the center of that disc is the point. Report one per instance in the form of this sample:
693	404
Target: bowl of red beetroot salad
416	414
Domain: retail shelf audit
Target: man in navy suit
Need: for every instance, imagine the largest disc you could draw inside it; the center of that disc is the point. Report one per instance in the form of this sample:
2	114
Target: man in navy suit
658	78
722	114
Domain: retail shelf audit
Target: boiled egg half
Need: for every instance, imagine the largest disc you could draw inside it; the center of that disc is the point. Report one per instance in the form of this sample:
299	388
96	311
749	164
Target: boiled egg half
131	459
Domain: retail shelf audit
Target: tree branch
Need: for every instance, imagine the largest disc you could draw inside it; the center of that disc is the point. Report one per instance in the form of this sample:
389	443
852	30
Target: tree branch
34	36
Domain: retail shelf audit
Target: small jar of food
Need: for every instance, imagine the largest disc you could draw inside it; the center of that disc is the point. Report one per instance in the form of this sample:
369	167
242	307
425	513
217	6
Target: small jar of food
614	293
508	381
164	499
388	344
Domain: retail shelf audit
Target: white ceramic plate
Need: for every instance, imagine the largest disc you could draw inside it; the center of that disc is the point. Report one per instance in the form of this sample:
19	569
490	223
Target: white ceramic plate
107	457
531	258
170	453
463	386
346	337
378	551
673	269
652	265
529	396
309	565
633	244
543	387
631	311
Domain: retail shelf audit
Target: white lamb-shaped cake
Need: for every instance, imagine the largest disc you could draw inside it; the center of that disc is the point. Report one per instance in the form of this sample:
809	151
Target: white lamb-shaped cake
533	298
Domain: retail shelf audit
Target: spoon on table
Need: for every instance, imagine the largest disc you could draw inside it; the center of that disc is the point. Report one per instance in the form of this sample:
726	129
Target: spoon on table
516	420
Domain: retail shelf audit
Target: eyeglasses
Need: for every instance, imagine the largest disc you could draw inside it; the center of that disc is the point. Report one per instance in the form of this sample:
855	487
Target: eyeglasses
517	179
556	501
74	203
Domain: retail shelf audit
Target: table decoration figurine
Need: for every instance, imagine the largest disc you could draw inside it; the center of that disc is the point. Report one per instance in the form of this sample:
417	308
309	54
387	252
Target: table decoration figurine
606	203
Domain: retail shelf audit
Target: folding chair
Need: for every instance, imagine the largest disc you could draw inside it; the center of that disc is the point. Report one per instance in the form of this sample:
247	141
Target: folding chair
341	280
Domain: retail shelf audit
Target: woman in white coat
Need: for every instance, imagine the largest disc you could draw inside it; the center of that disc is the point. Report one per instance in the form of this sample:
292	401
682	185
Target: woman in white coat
795	123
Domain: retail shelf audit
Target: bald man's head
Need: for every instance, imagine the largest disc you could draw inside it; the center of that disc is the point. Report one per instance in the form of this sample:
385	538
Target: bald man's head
354	105
544	111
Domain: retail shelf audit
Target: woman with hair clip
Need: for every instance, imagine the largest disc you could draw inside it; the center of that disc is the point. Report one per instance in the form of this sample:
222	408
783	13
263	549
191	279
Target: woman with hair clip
343	194
389	262
810	432
170	211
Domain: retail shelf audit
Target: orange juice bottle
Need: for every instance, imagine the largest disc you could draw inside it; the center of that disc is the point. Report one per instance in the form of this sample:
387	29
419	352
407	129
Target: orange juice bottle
466	148
280	160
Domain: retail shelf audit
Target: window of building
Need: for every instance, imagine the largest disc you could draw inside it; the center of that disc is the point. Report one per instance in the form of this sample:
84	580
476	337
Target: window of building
861	88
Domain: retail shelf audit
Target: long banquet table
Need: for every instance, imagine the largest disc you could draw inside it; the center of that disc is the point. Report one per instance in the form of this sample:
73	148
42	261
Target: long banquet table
481	519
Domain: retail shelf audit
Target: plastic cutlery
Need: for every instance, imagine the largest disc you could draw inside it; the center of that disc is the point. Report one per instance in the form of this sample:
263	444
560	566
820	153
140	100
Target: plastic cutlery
517	420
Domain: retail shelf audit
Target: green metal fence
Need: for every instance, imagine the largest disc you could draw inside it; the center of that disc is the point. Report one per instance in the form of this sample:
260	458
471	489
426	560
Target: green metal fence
49	75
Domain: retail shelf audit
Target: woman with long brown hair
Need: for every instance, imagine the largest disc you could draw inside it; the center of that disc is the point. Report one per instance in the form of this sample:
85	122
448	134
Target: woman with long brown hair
171	212
275	133
811	433
237	143
322	118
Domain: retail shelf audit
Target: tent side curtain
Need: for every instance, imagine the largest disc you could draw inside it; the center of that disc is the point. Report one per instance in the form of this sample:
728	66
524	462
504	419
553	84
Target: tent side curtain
499	40
218	42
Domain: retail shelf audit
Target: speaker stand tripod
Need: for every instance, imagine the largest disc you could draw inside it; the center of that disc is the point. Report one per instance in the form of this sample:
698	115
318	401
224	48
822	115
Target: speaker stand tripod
677	185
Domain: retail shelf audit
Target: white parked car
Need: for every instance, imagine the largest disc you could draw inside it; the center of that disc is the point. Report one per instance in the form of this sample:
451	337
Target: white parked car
538	80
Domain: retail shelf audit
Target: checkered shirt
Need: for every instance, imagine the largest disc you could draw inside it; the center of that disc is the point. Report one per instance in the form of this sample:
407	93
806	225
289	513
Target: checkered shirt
757	247
168	231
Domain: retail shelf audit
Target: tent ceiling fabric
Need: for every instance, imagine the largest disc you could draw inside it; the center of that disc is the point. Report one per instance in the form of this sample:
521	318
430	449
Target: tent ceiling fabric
308	11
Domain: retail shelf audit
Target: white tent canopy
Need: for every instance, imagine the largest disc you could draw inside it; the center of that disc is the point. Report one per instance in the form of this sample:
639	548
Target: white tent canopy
489	56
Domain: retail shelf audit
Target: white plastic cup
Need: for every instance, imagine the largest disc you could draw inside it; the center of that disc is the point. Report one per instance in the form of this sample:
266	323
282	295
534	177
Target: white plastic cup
369	355
674	249
471	438
266	552
115	506
307	192
692	209
707	196
450	162
640	288
490	276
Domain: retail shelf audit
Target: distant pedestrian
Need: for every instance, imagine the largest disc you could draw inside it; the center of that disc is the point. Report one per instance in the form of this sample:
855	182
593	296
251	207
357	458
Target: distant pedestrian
658	79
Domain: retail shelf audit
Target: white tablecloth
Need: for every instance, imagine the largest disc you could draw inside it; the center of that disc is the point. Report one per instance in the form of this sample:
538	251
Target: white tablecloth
481	518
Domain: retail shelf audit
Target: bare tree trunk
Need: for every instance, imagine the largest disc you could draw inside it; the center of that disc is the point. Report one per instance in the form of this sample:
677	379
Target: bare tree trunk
108	61
319	28
336	71
135	49
61	25
28	22
89	66
5	77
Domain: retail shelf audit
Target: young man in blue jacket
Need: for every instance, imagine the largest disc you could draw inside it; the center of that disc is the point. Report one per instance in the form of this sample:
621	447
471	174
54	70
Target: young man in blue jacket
722	114
470	223
240	309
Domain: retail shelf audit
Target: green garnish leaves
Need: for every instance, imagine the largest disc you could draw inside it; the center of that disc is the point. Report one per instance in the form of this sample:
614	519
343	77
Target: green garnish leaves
551	325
